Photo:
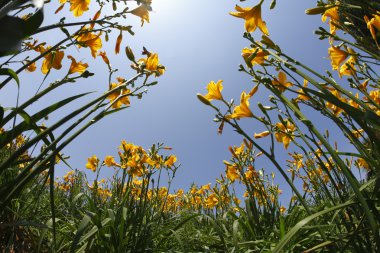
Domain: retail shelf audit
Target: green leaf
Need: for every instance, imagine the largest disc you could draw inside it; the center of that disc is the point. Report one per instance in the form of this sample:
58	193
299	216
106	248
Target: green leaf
11	35
10	73
30	121
14	29
1	114
280	246
82	226
33	23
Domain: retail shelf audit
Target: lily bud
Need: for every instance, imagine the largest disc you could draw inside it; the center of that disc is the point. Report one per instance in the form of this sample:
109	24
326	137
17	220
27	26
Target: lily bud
261	135
203	99
118	42
96	16
317	10
253	91
129	53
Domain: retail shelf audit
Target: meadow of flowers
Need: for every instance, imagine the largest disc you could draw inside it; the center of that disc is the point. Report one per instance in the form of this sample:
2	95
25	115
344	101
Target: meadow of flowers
334	204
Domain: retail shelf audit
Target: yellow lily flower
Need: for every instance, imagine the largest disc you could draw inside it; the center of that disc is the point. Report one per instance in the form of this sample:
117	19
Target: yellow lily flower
110	161
52	60
79	6
371	25
259	57
232	173
115	95
337	57
348	68
170	161
152	64
242	110
331	13
75	66
211	201
252	18
375	96
301	93
281	83
285	132
141	12
92	163
91	40
335	109
214	91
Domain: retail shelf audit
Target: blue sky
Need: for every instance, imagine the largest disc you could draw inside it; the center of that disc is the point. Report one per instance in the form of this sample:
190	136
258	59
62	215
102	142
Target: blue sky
197	41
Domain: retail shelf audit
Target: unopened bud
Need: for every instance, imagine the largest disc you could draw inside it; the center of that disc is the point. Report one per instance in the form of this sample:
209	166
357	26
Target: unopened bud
233	152
203	99
129	53
253	91
118	42
87	74
317	10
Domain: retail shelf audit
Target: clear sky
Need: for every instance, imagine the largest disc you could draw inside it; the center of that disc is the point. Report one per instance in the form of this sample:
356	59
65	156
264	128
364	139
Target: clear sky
197	41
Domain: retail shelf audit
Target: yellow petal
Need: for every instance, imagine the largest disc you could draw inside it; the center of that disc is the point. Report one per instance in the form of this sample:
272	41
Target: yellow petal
261	135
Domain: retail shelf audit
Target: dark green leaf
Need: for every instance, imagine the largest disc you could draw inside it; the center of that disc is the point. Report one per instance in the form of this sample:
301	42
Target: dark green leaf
33	23
9	72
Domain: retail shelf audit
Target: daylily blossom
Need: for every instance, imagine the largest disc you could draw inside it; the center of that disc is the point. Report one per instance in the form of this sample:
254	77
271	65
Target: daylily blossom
110	161
232	173
141	12
152	64
335	109
170	161
358	133
75	66
214	91
119	95
375	96
91	40
92	163
259	58
252	18
79	6
52	60
281	83
331	13
285	132
337	57
348	68
371	25
211	201
301	93
242	110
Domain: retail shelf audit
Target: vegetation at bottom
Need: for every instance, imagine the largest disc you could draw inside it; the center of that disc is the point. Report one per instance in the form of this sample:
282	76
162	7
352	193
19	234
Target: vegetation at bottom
333	178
